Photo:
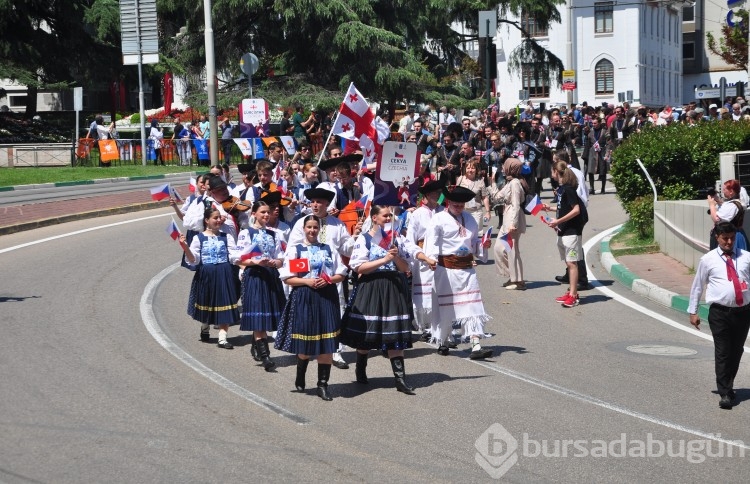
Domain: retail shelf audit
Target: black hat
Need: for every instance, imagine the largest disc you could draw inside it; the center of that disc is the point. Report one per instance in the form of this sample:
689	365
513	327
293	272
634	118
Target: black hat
329	163
319	193
350	158
459	194
245	167
432	186
215	182
271	197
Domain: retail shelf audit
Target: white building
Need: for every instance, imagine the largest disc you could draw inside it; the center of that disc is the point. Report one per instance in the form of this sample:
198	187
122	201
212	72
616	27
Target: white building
702	68
631	49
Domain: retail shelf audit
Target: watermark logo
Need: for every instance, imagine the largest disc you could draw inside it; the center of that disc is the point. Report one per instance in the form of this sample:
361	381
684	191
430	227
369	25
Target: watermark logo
497	451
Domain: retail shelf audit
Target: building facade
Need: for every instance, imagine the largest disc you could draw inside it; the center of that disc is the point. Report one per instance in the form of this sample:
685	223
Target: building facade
619	51
703	68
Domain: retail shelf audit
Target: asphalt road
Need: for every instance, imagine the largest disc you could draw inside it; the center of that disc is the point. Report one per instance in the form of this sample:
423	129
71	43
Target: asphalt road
104	380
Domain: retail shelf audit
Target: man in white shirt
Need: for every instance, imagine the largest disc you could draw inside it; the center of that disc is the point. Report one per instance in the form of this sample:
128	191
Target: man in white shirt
724	272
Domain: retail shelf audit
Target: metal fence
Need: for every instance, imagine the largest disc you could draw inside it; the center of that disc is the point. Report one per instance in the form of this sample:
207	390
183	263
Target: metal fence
34	155
172	152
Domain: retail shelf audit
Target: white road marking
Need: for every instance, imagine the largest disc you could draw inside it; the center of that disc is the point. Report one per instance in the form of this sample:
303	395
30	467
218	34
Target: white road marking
152	325
608	406
78	232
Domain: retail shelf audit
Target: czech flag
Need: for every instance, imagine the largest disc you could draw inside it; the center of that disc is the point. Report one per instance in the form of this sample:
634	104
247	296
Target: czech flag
193	184
299	265
324	275
161	192
173	230
384	237
487	235
507	242
254	251
175	194
360	205
534	206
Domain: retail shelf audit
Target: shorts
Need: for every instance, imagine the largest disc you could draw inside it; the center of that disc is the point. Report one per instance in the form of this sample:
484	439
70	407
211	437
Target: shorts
570	247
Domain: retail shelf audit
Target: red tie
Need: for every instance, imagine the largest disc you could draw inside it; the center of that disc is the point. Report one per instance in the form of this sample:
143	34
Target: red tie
732	276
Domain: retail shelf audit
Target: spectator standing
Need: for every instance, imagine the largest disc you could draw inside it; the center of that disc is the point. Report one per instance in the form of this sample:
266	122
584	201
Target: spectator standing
724	272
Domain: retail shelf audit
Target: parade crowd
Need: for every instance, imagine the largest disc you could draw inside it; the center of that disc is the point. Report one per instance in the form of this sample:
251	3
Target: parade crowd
298	249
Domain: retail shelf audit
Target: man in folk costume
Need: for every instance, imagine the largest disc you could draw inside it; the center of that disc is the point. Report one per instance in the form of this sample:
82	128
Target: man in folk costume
244	190
451	243
332	232
422	275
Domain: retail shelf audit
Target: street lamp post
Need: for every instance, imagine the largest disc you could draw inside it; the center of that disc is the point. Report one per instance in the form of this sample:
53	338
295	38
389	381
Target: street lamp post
211	84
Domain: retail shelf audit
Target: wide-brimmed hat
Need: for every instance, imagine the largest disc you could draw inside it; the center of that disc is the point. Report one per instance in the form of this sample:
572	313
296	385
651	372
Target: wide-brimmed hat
271	197
459	194
329	163
319	193
432	186
245	167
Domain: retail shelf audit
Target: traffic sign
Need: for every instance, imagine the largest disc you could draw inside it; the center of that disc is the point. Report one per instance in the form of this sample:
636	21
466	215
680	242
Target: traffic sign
249	64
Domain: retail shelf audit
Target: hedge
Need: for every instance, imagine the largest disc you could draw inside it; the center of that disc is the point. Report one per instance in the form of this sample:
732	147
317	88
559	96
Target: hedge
680	159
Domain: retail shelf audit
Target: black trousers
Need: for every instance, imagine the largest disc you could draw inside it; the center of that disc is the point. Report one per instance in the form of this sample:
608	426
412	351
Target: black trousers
729	327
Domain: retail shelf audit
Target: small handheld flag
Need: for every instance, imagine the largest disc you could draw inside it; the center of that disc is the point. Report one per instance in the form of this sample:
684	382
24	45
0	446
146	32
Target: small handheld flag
161	192
534	206
487	235
172	230
252	252
360	205
507	242
547	220
193	184
175	194
299	265
326	277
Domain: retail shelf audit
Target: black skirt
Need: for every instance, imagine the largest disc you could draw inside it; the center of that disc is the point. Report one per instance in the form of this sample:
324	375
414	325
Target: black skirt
379	314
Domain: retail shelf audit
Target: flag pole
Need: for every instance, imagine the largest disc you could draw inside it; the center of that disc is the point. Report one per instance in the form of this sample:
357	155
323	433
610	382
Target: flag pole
325	145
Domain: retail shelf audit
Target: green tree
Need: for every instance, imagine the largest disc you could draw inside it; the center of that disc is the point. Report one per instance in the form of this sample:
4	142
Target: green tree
45	45
389	49
732	45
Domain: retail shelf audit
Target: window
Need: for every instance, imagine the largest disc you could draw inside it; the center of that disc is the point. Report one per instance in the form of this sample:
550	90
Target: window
529	25
17	101
603	17
688	13
533	80
688	50
605	77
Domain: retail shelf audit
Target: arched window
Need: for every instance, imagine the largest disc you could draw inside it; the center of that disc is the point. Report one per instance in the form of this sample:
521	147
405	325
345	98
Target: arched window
605	77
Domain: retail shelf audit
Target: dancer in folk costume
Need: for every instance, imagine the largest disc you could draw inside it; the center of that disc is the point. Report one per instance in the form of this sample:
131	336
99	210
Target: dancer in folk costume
259	252
213	292
332	232
423	275
451	242
379	313
311	323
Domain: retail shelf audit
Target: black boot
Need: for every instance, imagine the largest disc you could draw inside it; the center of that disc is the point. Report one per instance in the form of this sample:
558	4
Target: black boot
563	279
397	363
361	369
324	372
583	276
254	351
299	383
264	354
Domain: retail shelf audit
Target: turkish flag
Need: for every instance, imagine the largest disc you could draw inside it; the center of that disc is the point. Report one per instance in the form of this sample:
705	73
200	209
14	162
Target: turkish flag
168	92
299	265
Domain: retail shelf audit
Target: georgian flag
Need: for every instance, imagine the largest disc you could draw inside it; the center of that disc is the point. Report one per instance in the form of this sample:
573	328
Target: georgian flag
355	117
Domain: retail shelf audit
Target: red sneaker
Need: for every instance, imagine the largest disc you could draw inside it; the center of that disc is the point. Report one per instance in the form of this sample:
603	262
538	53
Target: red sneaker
562	298
571	301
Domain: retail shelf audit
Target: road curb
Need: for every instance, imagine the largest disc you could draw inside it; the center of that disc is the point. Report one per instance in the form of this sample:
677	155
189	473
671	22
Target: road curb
102	180
641	286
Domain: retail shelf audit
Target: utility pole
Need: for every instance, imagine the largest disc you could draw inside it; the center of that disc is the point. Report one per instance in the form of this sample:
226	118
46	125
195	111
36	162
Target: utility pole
211	84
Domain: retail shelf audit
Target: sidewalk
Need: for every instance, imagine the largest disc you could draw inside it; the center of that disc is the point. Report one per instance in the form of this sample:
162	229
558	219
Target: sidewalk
656	276
29	216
